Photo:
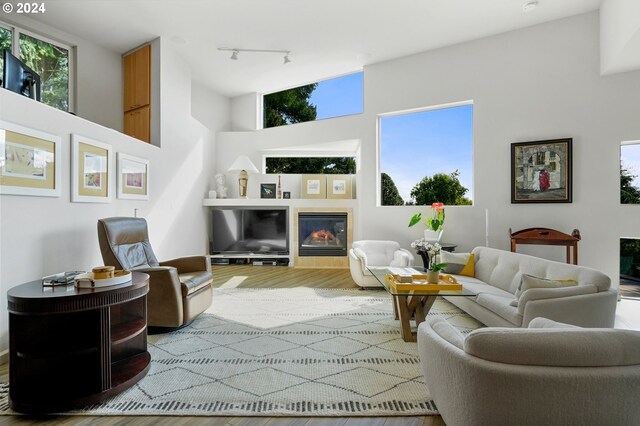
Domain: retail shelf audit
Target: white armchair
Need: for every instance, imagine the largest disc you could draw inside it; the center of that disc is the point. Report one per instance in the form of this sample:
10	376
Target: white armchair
375	253
548	374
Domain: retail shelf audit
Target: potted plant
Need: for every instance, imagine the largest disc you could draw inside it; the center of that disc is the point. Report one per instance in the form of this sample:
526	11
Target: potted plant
434	224
432	250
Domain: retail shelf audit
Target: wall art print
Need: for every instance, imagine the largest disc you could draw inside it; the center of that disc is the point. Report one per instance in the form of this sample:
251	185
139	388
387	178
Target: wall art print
541	171
133	177
91	170
30	161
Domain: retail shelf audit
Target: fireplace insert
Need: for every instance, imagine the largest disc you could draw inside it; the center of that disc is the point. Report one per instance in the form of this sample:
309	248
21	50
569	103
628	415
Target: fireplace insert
322	234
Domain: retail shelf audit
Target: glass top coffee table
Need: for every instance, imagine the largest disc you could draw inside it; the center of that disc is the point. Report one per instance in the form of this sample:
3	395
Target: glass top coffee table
408	304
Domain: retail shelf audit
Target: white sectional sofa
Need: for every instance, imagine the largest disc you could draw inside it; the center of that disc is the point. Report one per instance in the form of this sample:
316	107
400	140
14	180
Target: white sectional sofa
498	273
547	374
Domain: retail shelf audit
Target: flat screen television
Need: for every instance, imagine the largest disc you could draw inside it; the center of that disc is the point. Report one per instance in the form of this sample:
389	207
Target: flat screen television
263	231
19	78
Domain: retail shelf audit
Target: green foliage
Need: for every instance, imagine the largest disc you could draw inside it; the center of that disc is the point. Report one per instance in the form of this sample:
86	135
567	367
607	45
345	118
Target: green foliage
440	188
629	194
289	106
52	63
629	246
5	43
321	165
390	194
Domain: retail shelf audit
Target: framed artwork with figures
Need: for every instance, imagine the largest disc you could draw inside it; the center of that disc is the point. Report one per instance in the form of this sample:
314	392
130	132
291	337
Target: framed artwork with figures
541	171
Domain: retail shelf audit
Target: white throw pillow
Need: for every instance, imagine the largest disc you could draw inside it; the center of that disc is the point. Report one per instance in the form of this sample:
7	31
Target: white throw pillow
529	281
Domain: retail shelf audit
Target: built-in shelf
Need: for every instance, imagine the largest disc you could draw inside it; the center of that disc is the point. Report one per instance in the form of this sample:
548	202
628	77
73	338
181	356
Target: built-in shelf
295	202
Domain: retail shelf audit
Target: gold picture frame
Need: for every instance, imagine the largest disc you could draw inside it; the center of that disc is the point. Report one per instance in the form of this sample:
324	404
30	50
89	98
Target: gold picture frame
314	186
133	177
30	161
91	165
340	186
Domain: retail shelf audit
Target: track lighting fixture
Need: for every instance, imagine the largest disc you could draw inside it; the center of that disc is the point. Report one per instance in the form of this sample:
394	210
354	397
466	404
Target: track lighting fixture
236	51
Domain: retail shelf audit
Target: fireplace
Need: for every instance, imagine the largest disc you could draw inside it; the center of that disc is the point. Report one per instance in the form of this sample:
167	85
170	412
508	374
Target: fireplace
322	234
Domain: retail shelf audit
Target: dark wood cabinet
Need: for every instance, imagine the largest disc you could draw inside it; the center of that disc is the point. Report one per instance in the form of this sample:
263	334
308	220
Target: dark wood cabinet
73	347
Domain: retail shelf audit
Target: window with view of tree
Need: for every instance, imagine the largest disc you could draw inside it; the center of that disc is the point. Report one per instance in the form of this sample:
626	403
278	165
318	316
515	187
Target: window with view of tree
319	165
630	173
426	157
325	99
51	60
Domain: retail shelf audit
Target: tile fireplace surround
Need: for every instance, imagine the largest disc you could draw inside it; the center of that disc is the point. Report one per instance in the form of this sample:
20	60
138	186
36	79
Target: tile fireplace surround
324	262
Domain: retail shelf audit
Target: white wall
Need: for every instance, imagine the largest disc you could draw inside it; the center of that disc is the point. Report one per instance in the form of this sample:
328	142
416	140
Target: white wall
619	36
98	74
41	235
538	83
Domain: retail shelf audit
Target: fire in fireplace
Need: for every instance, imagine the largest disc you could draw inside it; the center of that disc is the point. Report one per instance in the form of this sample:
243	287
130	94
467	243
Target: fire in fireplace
322	234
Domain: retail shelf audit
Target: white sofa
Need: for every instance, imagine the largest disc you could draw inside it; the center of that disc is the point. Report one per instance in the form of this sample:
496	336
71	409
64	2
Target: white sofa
375	253
547	374
590	303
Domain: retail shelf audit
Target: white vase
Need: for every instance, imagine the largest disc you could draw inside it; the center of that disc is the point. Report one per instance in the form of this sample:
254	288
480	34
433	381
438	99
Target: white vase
433	277
433	236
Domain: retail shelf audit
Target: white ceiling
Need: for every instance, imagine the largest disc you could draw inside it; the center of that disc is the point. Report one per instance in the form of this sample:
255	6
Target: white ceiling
326	37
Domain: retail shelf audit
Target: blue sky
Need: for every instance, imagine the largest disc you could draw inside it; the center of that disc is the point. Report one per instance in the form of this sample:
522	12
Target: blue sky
630	157
339	96
424	143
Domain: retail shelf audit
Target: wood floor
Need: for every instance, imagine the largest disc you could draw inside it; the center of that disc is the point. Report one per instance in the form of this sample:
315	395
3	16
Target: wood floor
245	276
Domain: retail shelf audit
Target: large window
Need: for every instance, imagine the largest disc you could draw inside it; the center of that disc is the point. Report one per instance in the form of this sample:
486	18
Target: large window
630	172
426	157
326	99
317	165
50	59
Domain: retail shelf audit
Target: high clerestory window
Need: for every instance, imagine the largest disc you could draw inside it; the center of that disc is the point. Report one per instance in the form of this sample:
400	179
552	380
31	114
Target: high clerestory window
426	156
325	99
49	58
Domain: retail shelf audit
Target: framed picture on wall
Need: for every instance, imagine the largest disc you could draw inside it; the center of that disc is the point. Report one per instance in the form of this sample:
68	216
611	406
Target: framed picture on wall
30	161
133	177
267	190
339	186
541	171
314	186
91	165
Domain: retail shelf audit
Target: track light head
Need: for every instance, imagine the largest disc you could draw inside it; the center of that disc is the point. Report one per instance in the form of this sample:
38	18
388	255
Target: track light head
234	55
286	59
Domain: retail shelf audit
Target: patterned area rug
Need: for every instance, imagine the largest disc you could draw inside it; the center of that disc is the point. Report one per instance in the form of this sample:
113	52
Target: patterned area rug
279	352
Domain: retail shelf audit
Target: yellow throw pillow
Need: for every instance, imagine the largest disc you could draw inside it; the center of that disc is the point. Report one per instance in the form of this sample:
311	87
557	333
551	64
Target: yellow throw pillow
458	263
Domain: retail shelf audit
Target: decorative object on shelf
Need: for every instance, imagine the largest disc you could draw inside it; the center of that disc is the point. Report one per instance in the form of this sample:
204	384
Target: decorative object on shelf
133	177
31	161
244	165
286	195
279	190
221	186
314	186
434	224
339	186
213	194
91	165
541	171
267	190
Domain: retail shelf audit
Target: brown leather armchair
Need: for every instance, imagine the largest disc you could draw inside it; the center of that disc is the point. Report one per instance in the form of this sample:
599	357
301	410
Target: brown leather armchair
179	289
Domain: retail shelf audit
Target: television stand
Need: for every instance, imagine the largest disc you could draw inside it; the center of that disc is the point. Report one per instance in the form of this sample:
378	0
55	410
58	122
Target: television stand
250	259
